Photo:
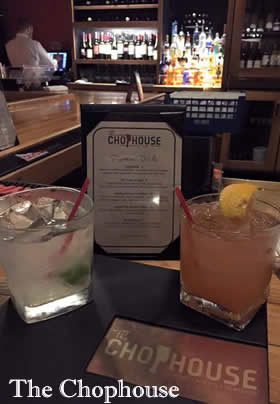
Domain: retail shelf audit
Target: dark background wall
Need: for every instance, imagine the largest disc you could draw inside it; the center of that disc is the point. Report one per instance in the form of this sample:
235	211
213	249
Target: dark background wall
51	18
217	10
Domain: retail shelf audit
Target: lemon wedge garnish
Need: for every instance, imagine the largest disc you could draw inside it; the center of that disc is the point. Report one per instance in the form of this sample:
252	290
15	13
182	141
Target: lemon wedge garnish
235	199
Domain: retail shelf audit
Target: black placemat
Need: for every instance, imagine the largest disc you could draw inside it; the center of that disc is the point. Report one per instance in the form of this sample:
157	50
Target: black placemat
59	349
12	163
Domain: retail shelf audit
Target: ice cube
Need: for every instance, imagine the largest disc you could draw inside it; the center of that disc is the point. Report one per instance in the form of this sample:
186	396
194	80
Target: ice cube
44	202
46	207
22	207
63	210
20	221
25	216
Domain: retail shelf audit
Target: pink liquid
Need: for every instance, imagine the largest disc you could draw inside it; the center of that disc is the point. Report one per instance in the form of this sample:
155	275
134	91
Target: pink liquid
231	270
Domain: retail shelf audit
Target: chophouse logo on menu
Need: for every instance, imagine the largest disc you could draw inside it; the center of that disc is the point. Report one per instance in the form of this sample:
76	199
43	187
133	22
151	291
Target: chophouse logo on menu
132	140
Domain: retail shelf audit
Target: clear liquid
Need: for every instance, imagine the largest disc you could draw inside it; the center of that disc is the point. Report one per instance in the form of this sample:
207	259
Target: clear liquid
44	279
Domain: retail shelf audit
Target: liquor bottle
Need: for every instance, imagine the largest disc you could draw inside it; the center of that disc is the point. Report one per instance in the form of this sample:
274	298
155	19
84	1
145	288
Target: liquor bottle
276	24
216	46
188	48
114	49
120	47
125	48
96	45
274	56
209	42
258	58
244	56
102	53
131	48
138	48
224	38
166	50
173	48
83	47
144	47
196	36
266	58
150	48
170	75
155	56
202	42
174	29
181	44
250	60
163	70
108	46
89	47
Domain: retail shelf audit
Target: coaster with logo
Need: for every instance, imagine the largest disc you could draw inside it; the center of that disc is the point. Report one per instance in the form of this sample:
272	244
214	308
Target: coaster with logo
204	369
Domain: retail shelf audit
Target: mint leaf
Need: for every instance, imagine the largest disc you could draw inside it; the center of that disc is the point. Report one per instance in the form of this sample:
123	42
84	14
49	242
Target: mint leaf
76	274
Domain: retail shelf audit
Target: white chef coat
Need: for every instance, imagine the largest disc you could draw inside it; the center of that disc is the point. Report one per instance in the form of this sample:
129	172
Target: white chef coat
22	50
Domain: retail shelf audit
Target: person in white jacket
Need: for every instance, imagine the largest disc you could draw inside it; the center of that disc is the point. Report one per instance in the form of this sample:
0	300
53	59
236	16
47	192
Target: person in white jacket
23	50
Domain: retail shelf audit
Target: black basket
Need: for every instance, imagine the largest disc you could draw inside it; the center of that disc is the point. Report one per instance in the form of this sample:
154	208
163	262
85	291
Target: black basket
211	112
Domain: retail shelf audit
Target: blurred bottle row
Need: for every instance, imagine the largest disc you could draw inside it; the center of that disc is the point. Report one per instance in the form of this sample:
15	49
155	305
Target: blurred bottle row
113	73
258	55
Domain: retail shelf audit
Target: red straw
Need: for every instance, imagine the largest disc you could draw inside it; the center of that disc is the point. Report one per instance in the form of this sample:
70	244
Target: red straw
79	199
183	204
72	214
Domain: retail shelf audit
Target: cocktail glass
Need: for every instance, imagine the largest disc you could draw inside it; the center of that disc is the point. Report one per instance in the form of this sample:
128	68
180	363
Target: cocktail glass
226	271
46	258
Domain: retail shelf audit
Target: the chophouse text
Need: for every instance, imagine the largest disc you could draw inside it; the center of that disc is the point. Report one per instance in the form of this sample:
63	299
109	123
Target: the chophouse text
73	388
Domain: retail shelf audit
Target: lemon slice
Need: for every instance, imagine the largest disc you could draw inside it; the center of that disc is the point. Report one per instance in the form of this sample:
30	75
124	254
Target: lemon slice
235	198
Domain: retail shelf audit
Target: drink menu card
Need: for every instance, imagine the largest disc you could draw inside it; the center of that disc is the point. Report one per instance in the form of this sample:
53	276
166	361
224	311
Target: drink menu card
204	369
135	168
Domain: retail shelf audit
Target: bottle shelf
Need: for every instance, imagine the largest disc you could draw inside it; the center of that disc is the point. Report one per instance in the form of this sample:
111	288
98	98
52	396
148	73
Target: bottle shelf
263	72
117	7
117	24
115	62
256	40
265	35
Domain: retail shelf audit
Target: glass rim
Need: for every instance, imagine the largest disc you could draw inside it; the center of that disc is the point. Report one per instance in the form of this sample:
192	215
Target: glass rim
192	200
37	229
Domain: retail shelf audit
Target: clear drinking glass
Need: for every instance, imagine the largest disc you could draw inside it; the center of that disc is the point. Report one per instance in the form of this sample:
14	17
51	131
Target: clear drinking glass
226	267
47	259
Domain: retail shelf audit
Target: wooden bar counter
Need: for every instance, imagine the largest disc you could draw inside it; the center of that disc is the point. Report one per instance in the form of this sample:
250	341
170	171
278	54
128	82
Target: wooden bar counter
40	119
